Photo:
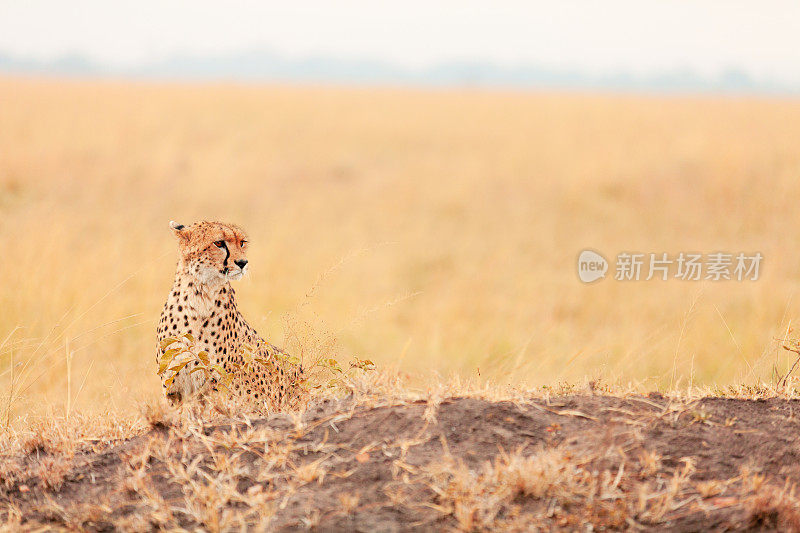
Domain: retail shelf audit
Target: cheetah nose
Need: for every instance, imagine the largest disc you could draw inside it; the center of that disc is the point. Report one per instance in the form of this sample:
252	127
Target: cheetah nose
241	262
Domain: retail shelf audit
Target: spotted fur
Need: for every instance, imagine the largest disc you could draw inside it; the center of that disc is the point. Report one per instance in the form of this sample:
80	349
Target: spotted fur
202	303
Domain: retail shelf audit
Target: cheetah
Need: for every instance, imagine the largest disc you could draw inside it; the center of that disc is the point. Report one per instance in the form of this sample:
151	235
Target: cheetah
202	303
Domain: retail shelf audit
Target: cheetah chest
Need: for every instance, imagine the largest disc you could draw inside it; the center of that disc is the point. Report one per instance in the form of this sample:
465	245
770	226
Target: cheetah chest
213	322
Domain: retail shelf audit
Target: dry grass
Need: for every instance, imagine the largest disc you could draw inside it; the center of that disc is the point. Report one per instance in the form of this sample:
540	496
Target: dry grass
433	230
445	225
199	468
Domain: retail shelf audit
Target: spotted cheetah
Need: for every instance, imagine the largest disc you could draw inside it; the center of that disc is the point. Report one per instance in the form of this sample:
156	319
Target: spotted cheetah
202	303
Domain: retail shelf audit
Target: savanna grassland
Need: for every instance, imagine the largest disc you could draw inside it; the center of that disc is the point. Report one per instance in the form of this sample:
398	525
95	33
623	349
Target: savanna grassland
437	230
435	233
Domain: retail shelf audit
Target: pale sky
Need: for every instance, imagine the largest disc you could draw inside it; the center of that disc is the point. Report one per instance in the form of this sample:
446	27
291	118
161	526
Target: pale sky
761	37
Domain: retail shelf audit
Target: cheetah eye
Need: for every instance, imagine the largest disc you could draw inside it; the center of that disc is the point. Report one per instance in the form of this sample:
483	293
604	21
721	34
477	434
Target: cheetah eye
219	244
243	243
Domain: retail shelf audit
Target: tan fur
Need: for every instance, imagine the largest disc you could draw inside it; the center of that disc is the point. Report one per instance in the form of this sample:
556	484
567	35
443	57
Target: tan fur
202	303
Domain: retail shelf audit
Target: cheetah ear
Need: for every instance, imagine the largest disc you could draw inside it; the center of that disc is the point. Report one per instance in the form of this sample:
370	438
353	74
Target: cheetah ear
179	229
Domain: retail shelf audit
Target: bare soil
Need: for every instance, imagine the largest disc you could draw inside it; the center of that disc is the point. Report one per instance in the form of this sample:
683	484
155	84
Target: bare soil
714	464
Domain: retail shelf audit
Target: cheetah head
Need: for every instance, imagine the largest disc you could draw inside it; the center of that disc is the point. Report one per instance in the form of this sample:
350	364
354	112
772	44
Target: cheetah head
212	252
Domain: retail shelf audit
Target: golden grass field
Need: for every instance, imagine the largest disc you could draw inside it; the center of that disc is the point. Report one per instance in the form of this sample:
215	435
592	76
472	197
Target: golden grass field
435	230
436	233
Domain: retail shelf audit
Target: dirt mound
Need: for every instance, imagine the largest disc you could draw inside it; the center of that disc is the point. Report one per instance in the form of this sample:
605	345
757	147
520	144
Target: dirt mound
620	463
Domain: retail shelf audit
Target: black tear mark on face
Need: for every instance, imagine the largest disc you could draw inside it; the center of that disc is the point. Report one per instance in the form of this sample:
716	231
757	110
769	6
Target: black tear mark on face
227	255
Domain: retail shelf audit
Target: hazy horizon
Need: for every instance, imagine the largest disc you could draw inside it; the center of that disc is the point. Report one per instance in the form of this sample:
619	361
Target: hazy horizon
706	45
267	66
